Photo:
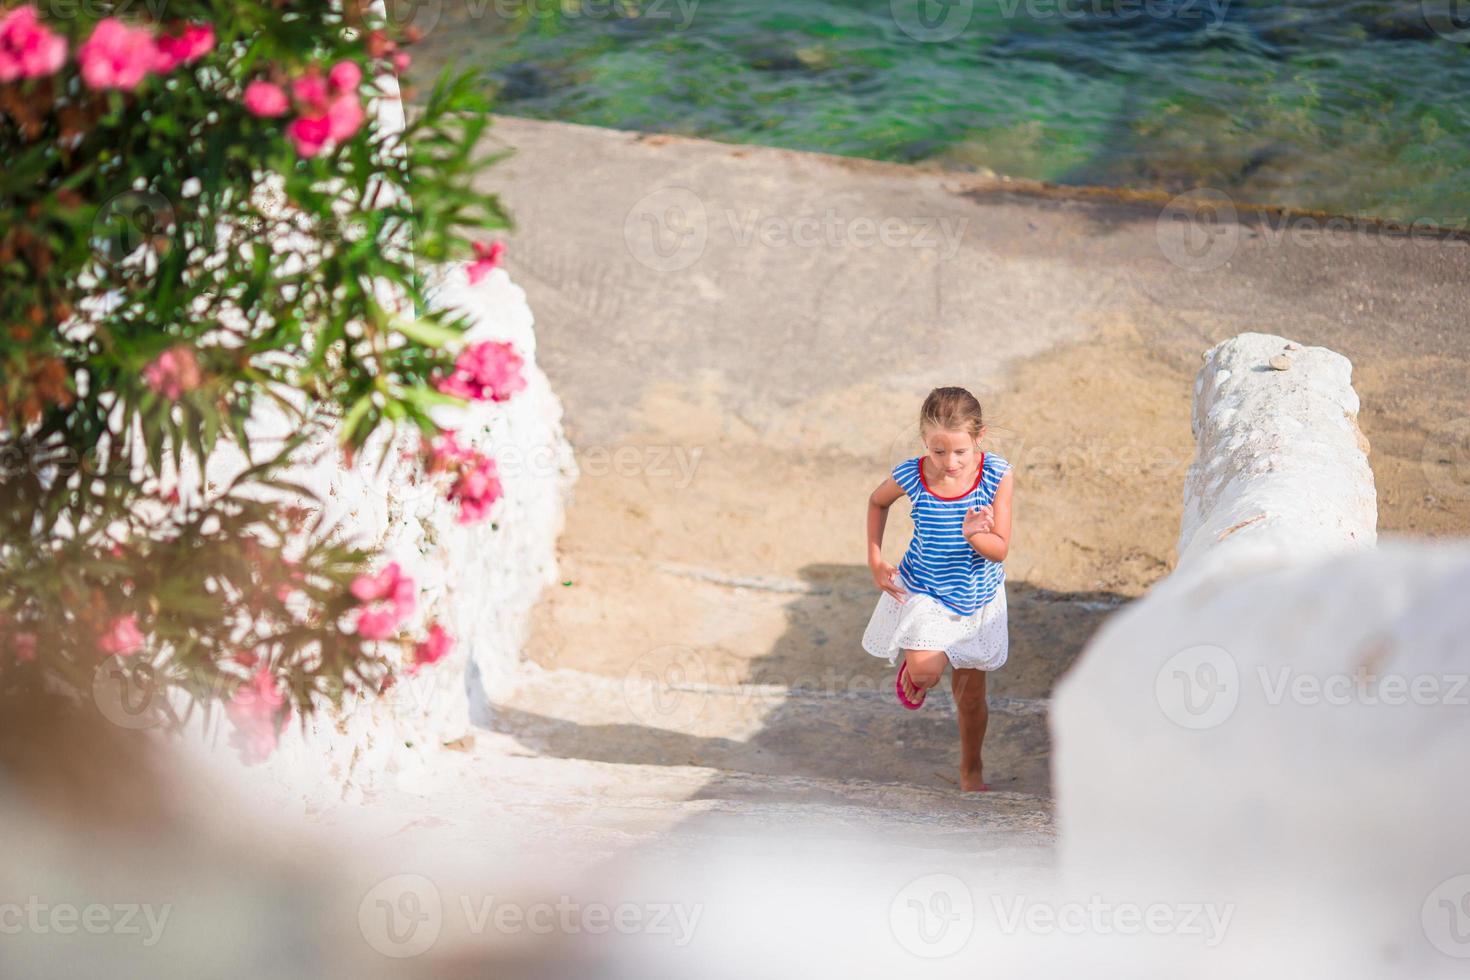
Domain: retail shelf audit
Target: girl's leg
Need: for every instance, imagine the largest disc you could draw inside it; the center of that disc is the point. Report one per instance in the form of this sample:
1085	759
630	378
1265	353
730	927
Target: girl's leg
925	669
974	714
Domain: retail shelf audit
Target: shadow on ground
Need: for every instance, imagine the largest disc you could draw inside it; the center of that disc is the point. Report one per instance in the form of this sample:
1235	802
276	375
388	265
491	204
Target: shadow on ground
833	724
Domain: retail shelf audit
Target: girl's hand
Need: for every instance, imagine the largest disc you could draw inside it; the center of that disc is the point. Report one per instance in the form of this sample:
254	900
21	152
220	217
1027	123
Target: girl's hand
978	520
885	576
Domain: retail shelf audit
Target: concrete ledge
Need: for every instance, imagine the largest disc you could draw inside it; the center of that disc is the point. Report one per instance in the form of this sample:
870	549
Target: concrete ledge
1281	473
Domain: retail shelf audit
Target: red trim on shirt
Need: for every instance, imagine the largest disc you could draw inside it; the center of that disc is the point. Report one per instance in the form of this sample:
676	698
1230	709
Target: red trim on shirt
979	474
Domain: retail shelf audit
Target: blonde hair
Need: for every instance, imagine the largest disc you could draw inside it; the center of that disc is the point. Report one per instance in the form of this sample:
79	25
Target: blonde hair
952	409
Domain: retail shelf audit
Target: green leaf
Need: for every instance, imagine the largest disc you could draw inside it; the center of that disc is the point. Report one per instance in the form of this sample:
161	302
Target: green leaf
429	397
354	417
427	332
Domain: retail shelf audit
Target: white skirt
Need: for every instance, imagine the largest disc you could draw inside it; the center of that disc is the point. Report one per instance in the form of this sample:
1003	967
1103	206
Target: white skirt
980	640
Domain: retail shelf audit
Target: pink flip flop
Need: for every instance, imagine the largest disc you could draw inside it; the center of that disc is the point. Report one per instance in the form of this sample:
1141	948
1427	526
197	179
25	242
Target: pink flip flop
898	688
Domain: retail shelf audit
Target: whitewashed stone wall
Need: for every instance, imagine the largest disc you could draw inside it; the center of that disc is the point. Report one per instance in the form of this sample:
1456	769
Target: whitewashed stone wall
479	581
1281	472
1282	726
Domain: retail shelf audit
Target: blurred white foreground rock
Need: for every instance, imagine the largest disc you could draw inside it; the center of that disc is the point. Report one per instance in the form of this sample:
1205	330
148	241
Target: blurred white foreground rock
1283	725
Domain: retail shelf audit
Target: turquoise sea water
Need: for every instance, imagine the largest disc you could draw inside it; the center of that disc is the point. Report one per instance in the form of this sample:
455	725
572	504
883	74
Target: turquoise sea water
1348	106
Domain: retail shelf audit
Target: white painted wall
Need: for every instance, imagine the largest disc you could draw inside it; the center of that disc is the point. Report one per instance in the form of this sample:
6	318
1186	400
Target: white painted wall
1281	470
479	581
1282	726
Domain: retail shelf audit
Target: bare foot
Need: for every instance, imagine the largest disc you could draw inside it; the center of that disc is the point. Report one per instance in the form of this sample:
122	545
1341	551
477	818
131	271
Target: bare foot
970	782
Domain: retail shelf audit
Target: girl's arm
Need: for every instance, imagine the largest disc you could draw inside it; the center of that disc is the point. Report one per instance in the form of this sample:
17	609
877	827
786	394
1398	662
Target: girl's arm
993	542
885	576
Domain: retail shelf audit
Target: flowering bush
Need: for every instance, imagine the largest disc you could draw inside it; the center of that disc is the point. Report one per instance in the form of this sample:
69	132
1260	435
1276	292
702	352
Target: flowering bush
200	220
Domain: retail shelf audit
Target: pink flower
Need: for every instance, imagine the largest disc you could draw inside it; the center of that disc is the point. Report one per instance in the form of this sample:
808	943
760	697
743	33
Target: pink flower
487	371
266	99
445	452
330	109
173	372
476	486
25	645
123	638
309	134
388	598
476	490
310	91
28	48
433	649
259	713
344	116
487	257
401	61
116	56
170	52
345	77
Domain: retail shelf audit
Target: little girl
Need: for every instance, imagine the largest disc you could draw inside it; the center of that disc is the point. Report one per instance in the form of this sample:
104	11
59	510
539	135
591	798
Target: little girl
947	596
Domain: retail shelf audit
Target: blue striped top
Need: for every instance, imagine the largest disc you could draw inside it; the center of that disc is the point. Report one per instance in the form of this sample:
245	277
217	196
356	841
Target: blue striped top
939	562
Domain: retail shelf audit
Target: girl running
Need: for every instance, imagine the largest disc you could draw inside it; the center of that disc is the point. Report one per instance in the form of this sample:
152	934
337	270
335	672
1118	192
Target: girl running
946	600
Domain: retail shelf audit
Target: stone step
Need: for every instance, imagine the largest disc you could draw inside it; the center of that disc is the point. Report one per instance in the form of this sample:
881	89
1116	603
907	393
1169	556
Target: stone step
502	798
757	731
